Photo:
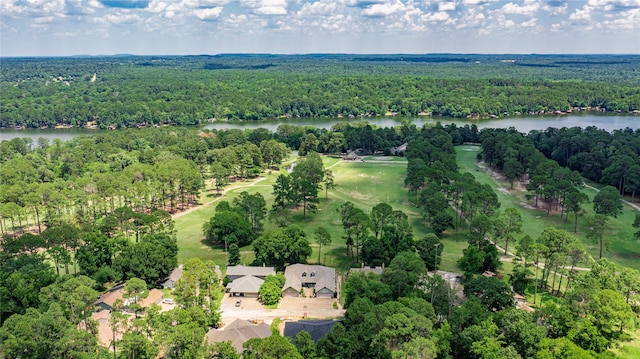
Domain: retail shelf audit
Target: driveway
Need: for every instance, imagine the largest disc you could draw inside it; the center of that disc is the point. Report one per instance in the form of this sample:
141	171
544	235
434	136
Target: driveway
289	308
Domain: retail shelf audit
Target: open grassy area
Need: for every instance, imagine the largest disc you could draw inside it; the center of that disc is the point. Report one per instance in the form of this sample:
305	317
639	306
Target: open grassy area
629	348
363	183
623	250
379	180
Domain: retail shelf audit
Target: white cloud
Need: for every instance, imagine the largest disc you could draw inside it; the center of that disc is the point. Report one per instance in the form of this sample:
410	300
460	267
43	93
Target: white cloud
234	19
118	19
583	14
267	7
555	10
157	6
322	7
439	16
208	13
529	7
204	3
530	23
383	10
9	7
446	6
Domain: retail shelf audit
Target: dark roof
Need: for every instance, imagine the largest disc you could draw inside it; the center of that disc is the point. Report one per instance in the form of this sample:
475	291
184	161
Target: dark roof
318	329
238	332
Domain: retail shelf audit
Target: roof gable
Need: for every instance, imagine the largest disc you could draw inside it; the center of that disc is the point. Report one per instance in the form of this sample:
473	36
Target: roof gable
238	332
239	271
246	284
321	276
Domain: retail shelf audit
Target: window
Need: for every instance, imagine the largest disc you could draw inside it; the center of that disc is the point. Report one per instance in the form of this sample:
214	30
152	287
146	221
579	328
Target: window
304	274
313	274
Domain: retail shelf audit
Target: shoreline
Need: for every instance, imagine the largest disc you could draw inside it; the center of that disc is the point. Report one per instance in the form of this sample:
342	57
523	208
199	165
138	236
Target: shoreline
472	118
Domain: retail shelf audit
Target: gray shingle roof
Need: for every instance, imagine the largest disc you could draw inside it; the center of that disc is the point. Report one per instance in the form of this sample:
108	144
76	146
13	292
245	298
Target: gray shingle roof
323	277
239	271
175	274
246	284
238	332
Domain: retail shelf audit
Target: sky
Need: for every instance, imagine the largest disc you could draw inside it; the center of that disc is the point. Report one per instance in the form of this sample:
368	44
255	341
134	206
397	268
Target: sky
182	27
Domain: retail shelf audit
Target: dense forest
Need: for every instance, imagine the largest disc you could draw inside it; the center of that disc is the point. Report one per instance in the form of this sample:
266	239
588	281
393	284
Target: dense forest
129	91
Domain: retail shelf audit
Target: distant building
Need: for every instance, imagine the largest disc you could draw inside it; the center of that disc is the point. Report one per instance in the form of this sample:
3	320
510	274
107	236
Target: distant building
351	156
235	272
366	269
175	275
400	150
322	279
238	332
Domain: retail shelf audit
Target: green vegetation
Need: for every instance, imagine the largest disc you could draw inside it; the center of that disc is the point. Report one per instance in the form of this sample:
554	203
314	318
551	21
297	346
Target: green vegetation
187	90
105	208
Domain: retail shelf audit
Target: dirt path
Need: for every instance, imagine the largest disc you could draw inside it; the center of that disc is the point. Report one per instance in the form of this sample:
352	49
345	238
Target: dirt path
635	206
224	191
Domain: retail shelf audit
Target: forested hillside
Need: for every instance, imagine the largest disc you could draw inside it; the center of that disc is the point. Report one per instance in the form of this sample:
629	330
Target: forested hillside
143	91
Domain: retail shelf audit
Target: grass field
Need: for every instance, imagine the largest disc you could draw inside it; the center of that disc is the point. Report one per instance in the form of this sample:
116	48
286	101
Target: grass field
363	183
375	180
623	250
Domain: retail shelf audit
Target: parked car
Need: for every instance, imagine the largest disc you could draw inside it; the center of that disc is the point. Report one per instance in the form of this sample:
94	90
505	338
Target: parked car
238	302
168	301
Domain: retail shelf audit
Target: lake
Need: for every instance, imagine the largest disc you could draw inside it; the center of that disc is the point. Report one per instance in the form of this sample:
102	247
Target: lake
524	124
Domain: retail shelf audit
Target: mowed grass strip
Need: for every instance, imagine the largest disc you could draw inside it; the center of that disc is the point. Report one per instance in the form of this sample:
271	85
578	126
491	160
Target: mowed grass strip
622	249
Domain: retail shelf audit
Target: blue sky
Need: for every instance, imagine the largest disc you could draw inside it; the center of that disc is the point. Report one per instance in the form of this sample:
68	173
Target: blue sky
104	27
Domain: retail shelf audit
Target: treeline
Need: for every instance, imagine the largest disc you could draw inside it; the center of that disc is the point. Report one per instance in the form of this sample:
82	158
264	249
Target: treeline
147	170
404	312
608	158
127	93
438	187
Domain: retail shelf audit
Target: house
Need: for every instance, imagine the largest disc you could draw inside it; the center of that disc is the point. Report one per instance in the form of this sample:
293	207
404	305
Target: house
351	156
322	279
107	299
318	329
247	286
175	275
366	269
155	296
400	150
238	332
235	272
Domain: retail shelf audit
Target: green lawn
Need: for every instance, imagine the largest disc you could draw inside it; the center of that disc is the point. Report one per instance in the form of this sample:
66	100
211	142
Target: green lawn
363	183
622	249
